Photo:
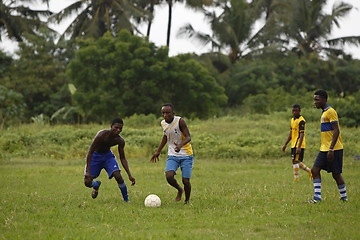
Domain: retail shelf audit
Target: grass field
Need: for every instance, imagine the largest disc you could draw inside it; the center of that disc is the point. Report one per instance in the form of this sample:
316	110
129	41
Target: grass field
245	194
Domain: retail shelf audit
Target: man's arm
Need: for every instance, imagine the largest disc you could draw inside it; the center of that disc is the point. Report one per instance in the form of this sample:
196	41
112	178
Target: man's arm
336	133
301	138
155	157
287	141
124	161
184	129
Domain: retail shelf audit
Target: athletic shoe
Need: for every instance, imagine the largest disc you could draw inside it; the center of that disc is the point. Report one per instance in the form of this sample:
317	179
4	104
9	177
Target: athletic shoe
343	199
312	201
95	192
311	177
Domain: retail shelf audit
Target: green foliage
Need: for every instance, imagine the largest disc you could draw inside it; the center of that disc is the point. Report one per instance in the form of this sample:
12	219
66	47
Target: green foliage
292	74
38	75
12	106
348	109
248	136
127	75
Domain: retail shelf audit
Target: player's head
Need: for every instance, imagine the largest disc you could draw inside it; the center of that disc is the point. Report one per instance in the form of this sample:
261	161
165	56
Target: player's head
117	120
296	110
167	112
320	99
117	125
169	105
322	93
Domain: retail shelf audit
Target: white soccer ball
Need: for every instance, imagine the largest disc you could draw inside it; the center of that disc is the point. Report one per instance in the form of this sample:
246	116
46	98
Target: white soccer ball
152	201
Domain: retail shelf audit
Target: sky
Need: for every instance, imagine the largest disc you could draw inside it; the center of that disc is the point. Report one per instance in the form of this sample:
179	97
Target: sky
182	15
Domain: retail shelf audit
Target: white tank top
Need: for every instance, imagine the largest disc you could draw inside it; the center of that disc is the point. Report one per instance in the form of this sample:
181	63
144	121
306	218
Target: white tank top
174	135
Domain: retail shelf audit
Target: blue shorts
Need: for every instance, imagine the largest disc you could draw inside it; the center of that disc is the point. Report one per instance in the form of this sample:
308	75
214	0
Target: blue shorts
334	166
185	163
103	160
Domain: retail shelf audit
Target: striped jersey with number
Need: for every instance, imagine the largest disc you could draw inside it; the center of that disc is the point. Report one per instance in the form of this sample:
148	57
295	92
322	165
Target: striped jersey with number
328	117
175	136
297	127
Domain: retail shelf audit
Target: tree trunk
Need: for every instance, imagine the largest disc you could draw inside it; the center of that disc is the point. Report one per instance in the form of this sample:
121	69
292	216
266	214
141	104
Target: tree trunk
152	3
169	23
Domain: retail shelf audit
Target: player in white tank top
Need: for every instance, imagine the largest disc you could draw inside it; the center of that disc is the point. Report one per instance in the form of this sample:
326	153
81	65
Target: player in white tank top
180	153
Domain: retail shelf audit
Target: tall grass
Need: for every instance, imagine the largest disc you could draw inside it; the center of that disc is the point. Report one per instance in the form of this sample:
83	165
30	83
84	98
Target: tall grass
242	185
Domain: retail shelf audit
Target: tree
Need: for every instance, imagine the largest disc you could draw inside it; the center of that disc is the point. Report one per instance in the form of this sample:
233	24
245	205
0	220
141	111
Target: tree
232	29
11	105
195	4
38	74
127	75
17	19
97	17
306	23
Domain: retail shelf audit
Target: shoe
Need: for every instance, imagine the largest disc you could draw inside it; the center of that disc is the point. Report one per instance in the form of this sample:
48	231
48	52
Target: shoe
311	177
312	201
344	199
296	180
95	192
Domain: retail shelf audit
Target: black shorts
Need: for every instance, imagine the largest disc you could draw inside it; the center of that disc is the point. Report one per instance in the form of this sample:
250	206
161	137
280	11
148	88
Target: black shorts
297	157
334	166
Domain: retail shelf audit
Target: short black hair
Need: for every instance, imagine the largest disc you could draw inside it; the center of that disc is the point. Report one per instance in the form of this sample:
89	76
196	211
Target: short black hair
322	93
117	120
296	106
169	105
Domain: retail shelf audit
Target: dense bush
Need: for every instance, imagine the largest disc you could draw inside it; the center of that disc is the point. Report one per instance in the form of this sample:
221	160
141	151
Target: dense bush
127	75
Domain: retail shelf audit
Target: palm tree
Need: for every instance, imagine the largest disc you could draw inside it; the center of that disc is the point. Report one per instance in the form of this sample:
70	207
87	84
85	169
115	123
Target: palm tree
17	19
99	16
148	5
195	4
309	26
231	30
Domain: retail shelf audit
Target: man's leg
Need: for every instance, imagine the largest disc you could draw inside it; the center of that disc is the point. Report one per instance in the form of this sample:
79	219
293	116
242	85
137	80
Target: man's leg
88	181
121	183
341	185
317	182
296	170
187	188
170	177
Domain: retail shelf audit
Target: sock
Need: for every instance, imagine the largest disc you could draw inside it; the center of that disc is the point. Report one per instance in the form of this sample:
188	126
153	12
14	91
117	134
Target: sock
317	189
303	166
123	190
296	171
95	185
342	190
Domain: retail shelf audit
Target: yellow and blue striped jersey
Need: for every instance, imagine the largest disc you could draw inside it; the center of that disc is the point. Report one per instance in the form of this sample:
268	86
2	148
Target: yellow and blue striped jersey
328	117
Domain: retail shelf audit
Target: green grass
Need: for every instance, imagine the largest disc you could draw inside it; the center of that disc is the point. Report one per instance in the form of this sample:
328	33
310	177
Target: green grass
230	200
242	185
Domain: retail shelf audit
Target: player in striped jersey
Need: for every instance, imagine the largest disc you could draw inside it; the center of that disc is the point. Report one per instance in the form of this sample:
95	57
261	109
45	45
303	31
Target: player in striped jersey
297	137
330	157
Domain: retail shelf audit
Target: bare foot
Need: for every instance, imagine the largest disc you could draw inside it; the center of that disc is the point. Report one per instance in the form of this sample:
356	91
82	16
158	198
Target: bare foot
178	197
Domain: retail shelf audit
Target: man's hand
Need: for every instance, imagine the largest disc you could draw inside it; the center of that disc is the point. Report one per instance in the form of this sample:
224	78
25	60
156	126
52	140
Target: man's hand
132	180
330	156
177	148
155	157
283	148
88	179
298	150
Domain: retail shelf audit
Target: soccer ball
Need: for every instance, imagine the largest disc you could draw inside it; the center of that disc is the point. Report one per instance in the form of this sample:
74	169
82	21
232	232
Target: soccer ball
152	201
